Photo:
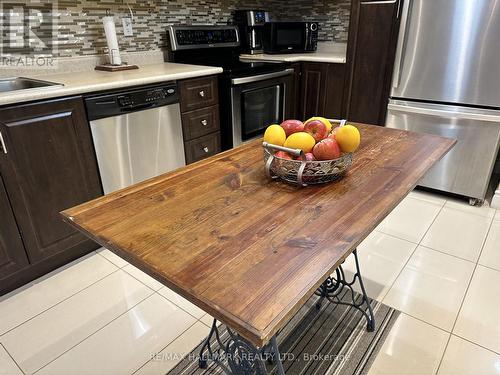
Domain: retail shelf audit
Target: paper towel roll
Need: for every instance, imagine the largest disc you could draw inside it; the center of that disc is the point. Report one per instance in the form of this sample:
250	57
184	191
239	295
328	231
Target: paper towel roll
112	40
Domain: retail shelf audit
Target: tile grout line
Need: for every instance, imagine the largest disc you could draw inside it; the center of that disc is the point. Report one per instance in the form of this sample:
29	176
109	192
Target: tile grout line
11	357
166	346
58	303
187	312
102	256
428	247
413	252
465	294
142	282
408	260
475	343
472	213
158	292
153	290
93	333
423	321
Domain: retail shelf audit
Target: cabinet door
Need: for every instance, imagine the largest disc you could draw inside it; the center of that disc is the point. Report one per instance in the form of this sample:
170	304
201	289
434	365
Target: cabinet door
296	92
371	49
49	167
334	97
12	255
313	84
322	90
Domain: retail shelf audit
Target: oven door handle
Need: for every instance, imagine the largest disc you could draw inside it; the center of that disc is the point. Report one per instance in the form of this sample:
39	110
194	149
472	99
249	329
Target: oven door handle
261	77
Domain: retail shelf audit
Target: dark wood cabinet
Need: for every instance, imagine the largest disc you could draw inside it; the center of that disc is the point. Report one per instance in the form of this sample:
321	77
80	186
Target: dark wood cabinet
202	147
12	254
49	166
373	32
200	122
198	93
322	89
296	91
200	118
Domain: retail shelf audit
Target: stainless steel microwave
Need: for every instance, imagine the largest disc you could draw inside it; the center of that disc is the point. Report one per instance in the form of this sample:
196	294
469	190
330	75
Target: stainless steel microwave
290	37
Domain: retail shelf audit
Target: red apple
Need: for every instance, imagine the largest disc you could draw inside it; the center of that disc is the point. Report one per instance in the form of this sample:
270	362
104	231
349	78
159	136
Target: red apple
292	126
327	149
283	155
309	157
317	129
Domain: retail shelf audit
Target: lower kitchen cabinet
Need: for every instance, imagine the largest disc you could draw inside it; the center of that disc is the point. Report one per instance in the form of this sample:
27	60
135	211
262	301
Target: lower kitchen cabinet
48	165
12	254
200	118
296	99
202	147
322	90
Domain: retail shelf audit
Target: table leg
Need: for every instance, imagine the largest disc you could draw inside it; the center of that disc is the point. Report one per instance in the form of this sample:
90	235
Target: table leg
332	287
242	357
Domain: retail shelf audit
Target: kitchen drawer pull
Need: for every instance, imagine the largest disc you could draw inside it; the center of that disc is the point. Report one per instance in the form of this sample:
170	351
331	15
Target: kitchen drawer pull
204	122
2	144
206	149
202	93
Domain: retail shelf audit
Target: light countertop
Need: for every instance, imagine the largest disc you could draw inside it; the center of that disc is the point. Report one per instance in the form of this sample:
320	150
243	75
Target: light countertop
93	81
327	53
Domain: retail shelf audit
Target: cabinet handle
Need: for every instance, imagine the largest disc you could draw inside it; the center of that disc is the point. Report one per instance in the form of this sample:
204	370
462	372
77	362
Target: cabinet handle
202	93
205	149
204	122
2	144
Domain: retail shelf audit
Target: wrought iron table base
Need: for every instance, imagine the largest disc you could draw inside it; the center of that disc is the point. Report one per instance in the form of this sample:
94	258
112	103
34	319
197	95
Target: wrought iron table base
332	288
243	358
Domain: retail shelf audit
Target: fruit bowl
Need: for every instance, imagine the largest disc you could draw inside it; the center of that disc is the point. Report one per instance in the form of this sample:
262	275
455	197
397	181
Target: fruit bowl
303	172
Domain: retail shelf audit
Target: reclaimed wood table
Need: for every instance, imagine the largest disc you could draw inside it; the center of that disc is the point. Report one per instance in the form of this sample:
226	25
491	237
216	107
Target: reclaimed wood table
251	251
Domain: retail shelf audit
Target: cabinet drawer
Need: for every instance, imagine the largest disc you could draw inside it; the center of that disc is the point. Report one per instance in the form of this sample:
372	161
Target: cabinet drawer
198	93
201	148
200	122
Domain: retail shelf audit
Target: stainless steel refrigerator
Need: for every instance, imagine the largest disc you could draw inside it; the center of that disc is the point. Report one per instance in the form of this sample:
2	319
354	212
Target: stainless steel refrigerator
446	81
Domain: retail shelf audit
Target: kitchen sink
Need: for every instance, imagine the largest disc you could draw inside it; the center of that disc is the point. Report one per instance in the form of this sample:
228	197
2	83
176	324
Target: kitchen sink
22	83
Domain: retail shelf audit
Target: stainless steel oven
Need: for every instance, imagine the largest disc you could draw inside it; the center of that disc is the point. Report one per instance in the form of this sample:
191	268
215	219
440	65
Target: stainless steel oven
258	101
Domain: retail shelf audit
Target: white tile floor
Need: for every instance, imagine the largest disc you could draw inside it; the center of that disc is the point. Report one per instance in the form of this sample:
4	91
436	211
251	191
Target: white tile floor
435	259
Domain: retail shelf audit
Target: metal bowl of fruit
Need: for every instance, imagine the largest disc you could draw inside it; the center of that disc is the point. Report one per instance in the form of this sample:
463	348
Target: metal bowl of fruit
310	155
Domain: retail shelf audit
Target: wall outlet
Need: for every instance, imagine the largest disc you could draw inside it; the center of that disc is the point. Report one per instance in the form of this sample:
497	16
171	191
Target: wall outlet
127	26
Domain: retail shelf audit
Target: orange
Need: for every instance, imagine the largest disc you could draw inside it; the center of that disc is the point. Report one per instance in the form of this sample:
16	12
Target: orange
275	135
348	138
325	121
300	140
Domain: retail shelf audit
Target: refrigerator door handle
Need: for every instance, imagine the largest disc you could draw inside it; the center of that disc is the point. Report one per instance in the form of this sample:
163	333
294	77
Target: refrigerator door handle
401	46
444	113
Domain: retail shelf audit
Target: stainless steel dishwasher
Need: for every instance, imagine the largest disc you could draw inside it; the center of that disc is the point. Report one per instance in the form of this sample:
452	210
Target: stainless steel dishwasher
137	134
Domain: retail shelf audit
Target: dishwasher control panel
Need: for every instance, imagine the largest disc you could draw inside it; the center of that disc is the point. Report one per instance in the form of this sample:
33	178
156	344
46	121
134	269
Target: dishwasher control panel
131	100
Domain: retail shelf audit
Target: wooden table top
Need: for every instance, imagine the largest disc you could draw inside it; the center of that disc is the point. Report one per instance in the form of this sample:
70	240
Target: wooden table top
247	250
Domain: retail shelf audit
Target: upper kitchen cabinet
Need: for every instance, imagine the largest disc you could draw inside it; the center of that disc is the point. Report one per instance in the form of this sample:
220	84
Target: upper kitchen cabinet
322	86
47	166
373	33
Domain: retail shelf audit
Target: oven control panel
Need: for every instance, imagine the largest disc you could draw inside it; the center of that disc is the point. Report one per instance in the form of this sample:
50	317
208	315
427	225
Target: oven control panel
191	37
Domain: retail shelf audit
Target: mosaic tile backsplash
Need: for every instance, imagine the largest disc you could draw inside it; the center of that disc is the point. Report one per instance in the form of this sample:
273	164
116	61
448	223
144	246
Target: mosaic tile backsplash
80	30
